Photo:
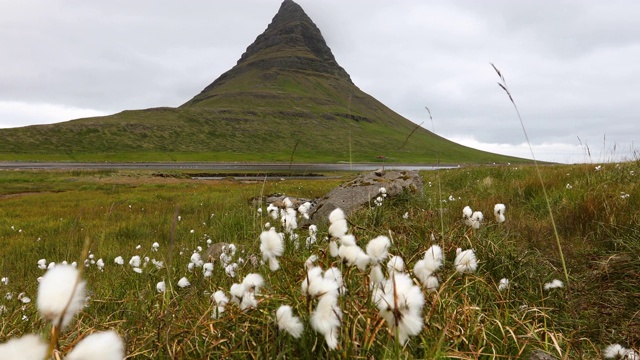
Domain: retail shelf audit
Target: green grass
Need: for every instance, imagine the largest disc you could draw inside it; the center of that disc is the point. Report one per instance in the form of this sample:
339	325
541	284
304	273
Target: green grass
50	214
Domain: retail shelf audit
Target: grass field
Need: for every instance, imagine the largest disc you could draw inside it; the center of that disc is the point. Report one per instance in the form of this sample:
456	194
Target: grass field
49	215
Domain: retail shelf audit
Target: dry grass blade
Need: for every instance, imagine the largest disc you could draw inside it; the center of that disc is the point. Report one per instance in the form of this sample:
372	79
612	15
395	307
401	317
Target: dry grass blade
504	86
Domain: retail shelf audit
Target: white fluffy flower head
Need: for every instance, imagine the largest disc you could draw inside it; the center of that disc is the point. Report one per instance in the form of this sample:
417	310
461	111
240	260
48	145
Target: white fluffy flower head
106	345
378	249
466	261
498	211
60	295
26	347
288	322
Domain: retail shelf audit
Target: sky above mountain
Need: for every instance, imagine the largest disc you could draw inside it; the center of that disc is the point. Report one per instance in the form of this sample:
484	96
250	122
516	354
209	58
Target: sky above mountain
571	65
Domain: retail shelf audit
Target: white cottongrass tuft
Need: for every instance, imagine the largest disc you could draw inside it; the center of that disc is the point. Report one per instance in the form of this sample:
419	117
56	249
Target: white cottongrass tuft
376	276
221	301
26	347
184	282
498	211
466	215
248	301
554	284
106	345
347	240
432	283
433	258
313	232
310	262
400	303
60	295
338	228
425	268
316	284
326	319
354	256
395	264
333	248
135	261
615	351
207	269
288	322
334	275
336	214
378	249
161	287
289	220
237	293
271	246
504	284
304	209
196	259
253	282
42	264
476	219
465	261
119	260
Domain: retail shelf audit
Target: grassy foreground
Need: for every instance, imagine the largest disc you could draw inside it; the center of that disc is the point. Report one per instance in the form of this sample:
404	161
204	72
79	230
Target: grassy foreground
48	215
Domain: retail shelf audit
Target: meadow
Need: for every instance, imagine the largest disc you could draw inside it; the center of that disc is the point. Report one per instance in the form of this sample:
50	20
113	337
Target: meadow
50	215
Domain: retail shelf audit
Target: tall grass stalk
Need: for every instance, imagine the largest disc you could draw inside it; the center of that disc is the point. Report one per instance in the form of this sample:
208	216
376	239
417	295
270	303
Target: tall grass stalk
440	207
503	85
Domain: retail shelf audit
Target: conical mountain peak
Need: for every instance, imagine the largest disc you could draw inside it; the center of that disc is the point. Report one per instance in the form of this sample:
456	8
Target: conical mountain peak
291	29
292	43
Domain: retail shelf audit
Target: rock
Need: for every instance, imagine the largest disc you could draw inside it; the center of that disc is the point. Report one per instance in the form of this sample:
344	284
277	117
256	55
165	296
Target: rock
541	355
214	251
363	189
278	200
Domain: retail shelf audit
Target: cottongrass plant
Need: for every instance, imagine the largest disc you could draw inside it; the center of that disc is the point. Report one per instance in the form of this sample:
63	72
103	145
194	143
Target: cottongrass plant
498	212
272	247
400	303
61	295
288	322
554	284
106	345
378	251
221	300
326	319
426	268
465	261
617	351
27	347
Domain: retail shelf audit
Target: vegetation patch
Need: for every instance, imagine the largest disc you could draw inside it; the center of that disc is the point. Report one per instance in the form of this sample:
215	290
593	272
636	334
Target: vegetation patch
508	300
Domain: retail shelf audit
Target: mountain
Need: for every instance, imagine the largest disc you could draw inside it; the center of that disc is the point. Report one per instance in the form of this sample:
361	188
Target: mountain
286	99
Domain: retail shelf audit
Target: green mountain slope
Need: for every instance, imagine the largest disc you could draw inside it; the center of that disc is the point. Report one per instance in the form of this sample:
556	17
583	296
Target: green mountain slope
287	98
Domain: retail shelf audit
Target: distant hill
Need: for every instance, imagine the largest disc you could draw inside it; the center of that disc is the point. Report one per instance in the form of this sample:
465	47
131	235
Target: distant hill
287	99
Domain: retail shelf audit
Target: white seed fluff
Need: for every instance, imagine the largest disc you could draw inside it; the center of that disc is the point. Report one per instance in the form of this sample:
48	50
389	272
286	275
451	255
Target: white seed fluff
57	289
106	345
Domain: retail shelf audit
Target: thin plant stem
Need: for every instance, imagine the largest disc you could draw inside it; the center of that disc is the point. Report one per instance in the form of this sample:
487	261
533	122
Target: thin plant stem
440	207
57	327
503	85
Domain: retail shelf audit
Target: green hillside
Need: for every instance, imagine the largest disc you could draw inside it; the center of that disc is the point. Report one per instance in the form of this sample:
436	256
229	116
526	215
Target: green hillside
287	98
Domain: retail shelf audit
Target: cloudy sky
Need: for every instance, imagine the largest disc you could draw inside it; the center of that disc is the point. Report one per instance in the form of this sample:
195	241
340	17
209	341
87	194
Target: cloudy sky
572	66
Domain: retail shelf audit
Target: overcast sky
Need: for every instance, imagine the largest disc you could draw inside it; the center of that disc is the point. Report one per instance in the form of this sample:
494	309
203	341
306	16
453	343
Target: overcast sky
572	66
